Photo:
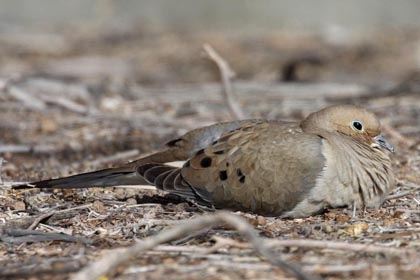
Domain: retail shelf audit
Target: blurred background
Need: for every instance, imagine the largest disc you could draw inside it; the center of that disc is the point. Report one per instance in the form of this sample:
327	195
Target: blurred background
217	15
146	41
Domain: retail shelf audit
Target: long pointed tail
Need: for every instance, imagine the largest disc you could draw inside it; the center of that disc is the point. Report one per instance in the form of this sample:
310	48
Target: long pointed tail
125	175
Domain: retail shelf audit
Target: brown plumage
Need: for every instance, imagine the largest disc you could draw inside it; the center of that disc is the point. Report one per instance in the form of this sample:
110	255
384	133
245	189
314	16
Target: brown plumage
333	158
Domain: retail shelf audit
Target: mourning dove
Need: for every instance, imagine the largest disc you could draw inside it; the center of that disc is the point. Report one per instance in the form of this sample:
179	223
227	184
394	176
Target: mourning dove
333	158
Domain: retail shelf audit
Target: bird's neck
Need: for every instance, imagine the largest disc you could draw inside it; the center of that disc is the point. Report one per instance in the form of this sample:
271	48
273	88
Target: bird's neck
367	170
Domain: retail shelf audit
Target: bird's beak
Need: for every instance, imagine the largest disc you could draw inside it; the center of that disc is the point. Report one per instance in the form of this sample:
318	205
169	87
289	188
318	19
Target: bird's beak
383	143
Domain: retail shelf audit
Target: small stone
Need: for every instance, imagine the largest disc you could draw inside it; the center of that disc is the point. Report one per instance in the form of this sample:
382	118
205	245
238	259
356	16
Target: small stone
120	193
261	220
328	229
19	205
131	201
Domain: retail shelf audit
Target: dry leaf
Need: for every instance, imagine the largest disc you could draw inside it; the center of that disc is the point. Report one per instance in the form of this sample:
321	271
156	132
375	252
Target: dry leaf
356	229
342	218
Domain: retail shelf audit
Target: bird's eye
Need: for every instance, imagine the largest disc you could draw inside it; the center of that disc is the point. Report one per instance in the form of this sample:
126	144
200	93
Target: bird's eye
358	125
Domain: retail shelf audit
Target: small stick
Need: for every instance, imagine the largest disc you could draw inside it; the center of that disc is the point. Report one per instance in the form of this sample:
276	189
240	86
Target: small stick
303	243
1	169
26	98
39	267
27	149
18	236
334	245
39	219
226	74
324	269
119	257
398	195
65	103
28	221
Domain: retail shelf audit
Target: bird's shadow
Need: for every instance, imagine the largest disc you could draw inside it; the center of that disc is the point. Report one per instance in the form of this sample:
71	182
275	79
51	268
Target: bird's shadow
160	199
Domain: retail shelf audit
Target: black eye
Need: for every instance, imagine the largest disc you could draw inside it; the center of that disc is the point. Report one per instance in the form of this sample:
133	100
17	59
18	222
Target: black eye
357	125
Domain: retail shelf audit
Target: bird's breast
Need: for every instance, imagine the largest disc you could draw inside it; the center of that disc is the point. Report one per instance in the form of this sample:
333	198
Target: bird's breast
353	174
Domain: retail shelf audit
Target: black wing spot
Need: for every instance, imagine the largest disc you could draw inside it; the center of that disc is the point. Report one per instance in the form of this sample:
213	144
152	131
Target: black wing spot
187	164
239	172
223	175
205	162
219	152
242	179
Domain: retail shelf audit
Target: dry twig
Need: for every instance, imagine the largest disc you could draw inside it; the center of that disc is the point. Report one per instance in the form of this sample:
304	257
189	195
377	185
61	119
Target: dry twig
18	236
65	103
109	262
329	269
334	245
38	266
1	169
26	222
300	243
27	149
226	74
25	98
398	195
39	219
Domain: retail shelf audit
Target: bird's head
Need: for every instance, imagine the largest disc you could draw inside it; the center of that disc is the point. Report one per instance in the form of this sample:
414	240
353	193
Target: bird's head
350	120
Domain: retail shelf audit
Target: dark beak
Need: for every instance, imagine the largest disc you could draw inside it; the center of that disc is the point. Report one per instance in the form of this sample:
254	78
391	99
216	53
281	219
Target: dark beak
383	143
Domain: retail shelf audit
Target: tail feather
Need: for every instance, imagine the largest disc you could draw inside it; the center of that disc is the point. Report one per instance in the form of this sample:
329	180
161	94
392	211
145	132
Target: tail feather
164	177
125	175
169	178
151	174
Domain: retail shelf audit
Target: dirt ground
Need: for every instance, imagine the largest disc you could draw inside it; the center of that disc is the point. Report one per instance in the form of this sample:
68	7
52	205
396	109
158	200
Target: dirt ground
77	101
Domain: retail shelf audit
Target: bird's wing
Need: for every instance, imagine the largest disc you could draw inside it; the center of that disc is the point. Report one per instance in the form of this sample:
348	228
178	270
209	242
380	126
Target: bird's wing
264	167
